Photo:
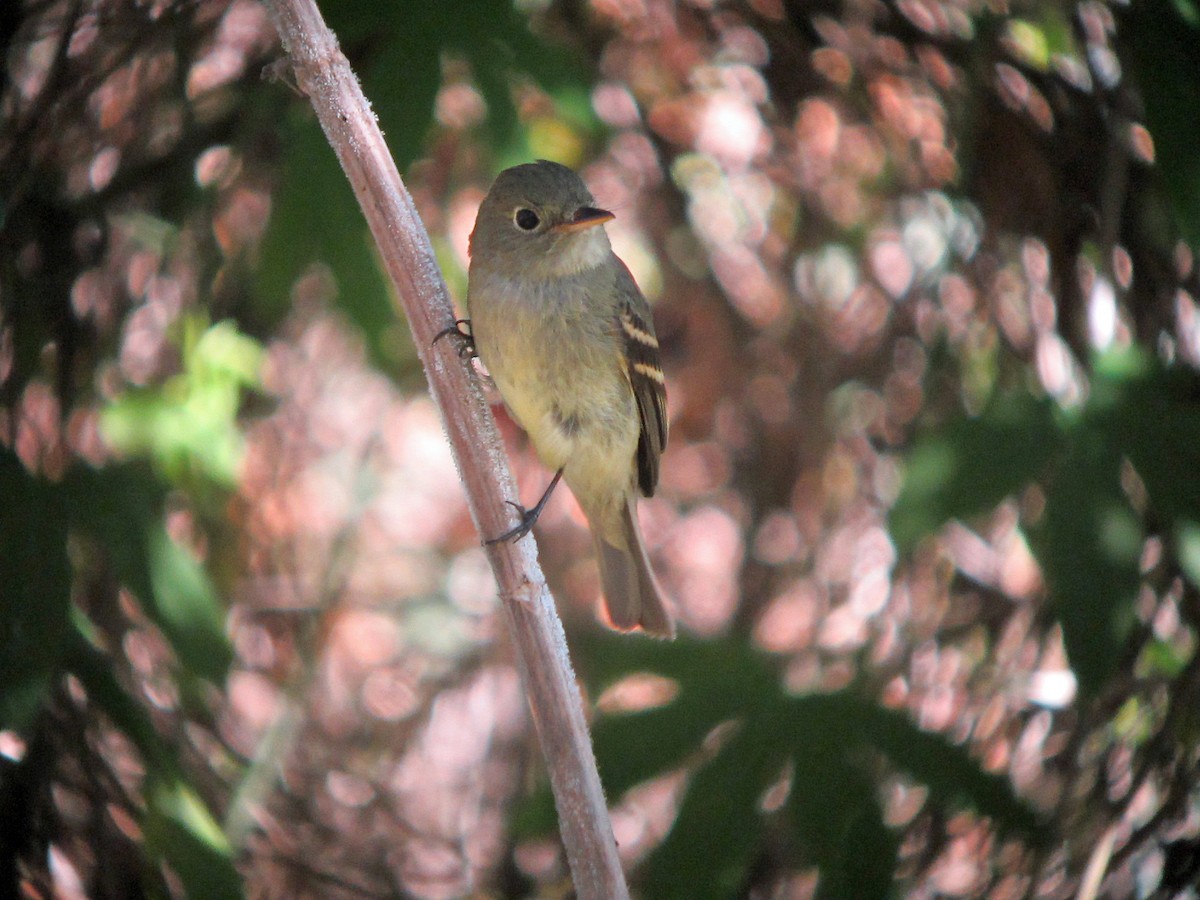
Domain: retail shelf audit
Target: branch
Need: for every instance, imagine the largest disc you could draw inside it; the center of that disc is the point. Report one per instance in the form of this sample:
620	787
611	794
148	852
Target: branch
325	76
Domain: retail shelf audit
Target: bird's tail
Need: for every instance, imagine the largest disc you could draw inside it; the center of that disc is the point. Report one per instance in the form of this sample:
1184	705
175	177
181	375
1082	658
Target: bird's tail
630	589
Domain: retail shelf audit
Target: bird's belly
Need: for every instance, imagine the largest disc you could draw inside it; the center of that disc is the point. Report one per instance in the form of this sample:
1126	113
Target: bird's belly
585	426
564	385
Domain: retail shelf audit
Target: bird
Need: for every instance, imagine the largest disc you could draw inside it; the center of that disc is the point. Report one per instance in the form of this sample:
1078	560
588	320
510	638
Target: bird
567	337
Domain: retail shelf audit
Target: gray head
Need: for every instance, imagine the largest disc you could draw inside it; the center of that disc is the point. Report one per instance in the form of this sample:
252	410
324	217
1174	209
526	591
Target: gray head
538	221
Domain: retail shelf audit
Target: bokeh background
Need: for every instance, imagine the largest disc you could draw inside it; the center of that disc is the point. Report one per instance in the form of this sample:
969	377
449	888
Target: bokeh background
923	275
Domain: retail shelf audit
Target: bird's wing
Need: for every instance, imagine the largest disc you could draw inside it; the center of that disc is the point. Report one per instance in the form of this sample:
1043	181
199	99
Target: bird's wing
645	376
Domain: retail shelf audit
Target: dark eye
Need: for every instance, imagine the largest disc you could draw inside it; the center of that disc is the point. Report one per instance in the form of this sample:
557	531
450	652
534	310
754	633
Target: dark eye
526	219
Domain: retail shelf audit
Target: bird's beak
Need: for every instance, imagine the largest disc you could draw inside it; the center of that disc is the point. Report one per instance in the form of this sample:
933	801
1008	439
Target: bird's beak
585	217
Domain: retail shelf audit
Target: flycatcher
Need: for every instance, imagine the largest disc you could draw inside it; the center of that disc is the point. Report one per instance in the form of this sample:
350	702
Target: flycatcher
569	341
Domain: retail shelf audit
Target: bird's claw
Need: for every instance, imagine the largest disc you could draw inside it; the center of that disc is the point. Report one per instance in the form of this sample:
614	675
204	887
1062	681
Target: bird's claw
466	345
528	518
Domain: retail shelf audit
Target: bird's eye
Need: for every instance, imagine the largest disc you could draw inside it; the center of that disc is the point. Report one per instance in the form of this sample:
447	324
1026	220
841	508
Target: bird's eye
526	219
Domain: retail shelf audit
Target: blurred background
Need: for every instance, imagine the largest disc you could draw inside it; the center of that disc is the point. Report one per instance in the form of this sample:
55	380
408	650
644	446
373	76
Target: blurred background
923	275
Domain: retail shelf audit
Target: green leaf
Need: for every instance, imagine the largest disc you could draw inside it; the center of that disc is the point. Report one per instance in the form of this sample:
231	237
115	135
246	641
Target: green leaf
1160	659
35	590
316	218
1187	543
833	744
180	830
95	672
835	808
638	746
952	775
1088	543
707	853
729	672
1164	37
834	798
968	466
865	865
718	681
120	507
189	425
187	608
1089	540
1153	414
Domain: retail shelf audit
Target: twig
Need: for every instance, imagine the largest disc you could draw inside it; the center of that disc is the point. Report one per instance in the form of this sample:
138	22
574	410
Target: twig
1097	865
323	73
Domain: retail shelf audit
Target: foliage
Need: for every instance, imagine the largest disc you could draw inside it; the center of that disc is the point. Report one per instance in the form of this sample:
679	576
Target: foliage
1164	40
925	286
188	425
118	512
1089	537
735	731
113	517
317	217
37	580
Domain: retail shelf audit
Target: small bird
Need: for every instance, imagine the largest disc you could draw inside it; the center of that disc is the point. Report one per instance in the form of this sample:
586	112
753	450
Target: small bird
559	322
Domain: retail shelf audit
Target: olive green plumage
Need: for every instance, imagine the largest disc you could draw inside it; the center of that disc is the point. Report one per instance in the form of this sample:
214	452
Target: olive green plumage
568	338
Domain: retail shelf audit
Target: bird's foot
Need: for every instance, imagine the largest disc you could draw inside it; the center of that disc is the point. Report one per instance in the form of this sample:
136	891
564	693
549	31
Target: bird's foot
466	341
528	518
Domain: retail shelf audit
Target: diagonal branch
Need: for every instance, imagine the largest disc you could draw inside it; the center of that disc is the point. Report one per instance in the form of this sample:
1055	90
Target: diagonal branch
325	76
